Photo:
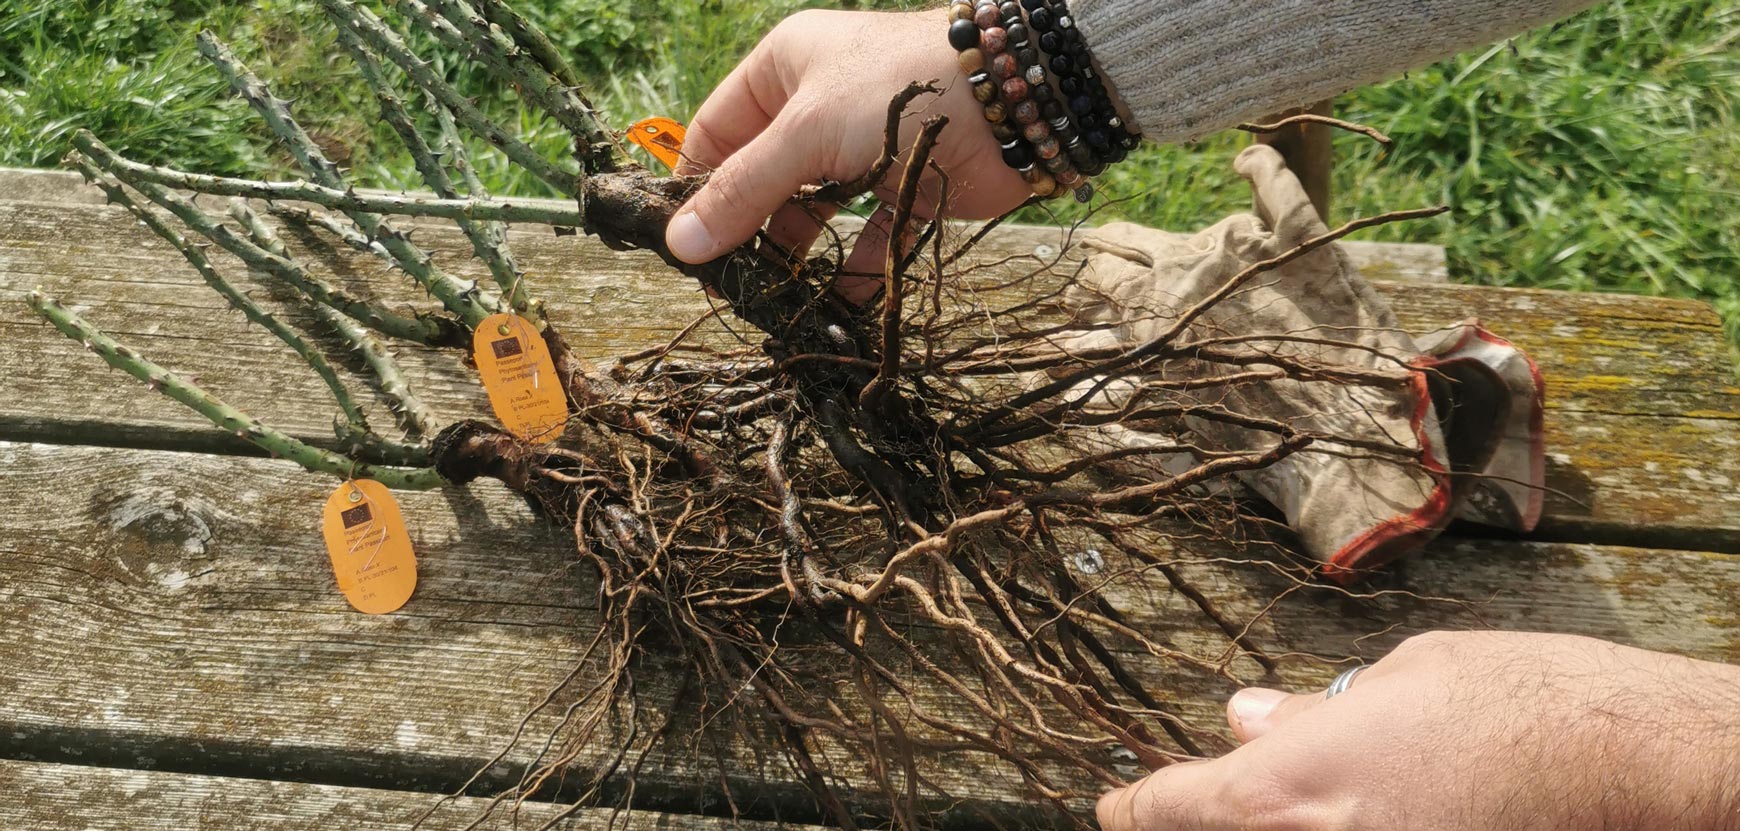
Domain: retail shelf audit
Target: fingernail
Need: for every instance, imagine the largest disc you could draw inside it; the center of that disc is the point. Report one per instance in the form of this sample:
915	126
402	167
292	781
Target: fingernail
1251	707
689	240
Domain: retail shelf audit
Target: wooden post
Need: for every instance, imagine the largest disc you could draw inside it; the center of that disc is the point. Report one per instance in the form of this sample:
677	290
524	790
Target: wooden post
1308	151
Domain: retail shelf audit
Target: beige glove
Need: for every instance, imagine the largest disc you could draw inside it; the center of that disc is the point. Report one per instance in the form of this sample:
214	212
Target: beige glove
1464	402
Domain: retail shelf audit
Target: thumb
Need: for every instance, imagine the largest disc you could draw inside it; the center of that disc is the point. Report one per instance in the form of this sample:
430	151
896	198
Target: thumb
741	194
1180	796
1254	711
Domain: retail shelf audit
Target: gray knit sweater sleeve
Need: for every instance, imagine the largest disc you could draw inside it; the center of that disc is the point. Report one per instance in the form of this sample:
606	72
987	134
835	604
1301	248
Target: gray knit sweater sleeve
1191	67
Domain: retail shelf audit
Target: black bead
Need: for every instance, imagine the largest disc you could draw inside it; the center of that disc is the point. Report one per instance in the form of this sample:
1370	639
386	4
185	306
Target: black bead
1040	93
1053	110
1095	169
964	35
1028	56
1130	141
1050	42
1017	155
1041	19
1070	85
1097	139
1010	8
1017	33
1030	5
1081	105
1062	65
1117	154
1082	155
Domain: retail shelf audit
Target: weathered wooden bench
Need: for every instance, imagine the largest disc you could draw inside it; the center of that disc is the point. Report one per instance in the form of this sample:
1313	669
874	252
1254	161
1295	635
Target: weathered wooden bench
172	652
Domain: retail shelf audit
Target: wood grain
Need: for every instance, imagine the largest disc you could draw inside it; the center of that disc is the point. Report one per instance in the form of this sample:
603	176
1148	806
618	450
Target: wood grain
1643	427
174	611
52	797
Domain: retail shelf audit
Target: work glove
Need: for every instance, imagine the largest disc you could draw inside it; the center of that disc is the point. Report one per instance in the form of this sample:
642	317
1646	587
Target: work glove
1463	404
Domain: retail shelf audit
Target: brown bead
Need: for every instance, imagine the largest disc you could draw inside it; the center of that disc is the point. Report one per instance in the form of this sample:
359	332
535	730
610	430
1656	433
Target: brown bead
1043	185
1069	178
1004	131
995	111
985	91
1026	112
1037	131
987	17
1047	148
995	39
961	11
1058	164
972	60
1005	66
1015	89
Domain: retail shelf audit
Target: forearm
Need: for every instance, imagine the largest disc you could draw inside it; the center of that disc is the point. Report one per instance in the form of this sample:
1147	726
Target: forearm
1187	68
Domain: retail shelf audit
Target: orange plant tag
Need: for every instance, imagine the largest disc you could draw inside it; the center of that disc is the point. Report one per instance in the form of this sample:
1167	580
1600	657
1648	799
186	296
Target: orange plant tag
370	550
520	377
661	137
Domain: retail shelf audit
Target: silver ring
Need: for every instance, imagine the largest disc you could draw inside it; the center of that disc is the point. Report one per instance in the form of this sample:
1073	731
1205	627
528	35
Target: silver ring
1342	682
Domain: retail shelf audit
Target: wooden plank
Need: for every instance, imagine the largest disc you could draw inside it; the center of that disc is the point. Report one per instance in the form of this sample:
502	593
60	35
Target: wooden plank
1644	420
51	797
1310	153
174	611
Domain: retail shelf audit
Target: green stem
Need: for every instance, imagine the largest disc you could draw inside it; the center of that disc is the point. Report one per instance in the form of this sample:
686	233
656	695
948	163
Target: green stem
383	40
412	415
460	297
488	241
502	265
219	413
342	200
468	32
430	330
236	298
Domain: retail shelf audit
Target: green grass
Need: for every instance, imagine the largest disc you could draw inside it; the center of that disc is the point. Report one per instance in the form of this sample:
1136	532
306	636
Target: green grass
1602	154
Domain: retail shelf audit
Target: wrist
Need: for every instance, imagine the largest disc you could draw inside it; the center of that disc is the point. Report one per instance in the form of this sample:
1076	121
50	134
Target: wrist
1684	741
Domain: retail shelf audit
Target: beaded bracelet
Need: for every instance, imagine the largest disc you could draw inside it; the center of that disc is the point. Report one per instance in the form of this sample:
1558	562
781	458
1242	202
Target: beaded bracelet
1108	137
1013	90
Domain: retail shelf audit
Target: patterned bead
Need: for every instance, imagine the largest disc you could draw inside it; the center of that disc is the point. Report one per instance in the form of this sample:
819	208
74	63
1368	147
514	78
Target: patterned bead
1036	132
1026	112
984	90
986	17
1047	148
1014	89
1040	181
1005	65
971	60
995	111
961	10
963	35
994	39
1004	131
1035	75
1064	22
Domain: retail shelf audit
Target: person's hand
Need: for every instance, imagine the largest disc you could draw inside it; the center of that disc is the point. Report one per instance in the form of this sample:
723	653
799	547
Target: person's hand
808	105
1482	731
